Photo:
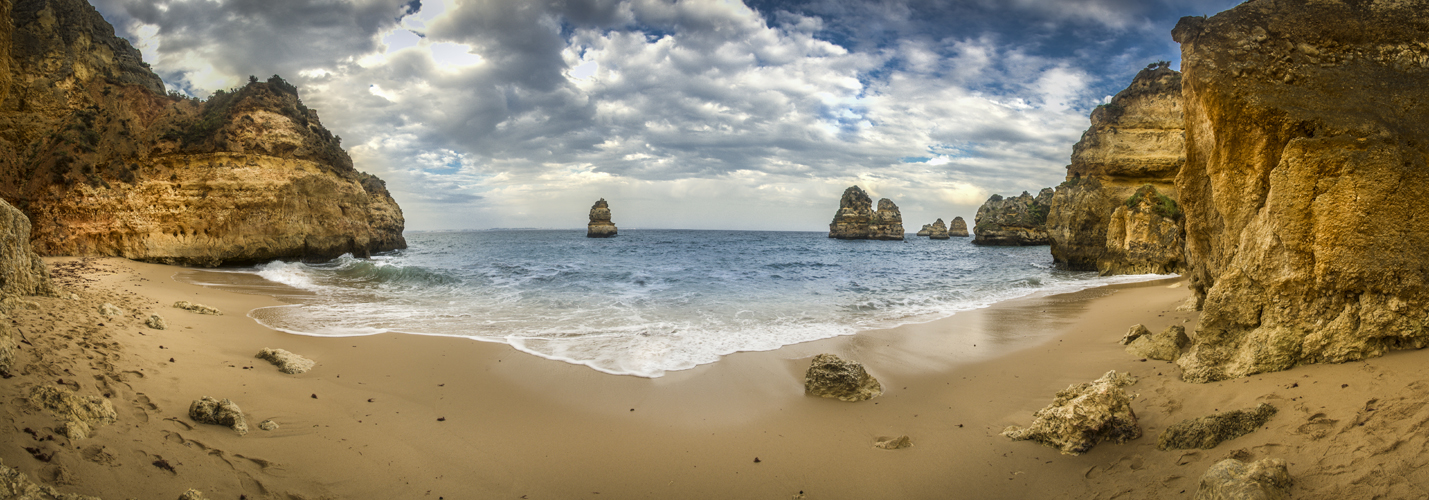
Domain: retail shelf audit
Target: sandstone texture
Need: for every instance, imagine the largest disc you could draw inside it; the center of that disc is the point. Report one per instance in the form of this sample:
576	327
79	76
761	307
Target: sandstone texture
1164	346
268	425
1207	432
857	220
926	231
105	163
1136	143
226	413
958	228
18	486
286	362
1231	479
21	270
1307	141
938	230
1083	415
892	442
600	225
832	377
1017	221
156	322
1137	331
8	343
197	308
192	494
80	413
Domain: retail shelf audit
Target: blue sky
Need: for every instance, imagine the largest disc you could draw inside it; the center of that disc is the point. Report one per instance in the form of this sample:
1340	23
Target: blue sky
705	114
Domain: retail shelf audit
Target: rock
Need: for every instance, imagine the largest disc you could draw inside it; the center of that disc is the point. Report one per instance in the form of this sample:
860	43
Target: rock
15	484
8	343
156	322
119	168
1017	221
926	231
198	308
892	443
268	425
831	377
76	430
80	413
1137	331
600	225
1231	479
958	227
1307	145
1083	415
109	311
857	220
192	494
286	362
1207	432
211	411
1136	141
1164	346
939	231
21	270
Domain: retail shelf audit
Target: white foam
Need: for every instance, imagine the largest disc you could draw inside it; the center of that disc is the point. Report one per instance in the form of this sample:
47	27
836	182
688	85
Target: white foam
294	274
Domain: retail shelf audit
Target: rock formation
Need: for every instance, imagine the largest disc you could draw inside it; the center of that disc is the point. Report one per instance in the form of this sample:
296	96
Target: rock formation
104	163
892	442
197	308
1165	346
926	231
21	270
1207	432
212	411
857	220
938	231
1083	415
831	377
958	228
1306	235
81	414
1135	142
1017	221
1231	479
15	484
600	225
286	362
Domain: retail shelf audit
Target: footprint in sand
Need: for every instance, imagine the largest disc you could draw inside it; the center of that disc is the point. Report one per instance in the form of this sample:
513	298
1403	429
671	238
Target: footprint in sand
1317	426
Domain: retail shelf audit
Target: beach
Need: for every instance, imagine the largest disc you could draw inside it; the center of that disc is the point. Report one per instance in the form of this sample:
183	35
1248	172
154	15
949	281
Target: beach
409	416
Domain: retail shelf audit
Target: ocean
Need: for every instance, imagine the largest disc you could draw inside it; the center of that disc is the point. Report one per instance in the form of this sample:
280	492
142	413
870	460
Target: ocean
647	301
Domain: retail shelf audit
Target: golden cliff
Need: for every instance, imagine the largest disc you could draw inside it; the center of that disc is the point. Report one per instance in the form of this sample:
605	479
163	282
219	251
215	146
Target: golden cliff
1136	142
104	163
1307	143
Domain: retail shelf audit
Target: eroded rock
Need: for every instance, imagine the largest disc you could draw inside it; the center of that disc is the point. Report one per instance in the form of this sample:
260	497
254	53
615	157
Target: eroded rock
892	442
1016	221
286	362
600	225
21	270
109	311
192	494
1164	346
7	348
212	411
198	308
1084	415
1207	432
938	230
1231	479
958	228
1137	331
268	425
81	413
156	322
830	376
18	486
857	220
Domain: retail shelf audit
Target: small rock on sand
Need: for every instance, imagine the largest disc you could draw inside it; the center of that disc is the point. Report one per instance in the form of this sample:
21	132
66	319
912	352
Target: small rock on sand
15	484
1164	346
226	413
1083	415
109	311
1136	332
892	443
832	377
198	308
1207	432
81	413
1231	479
286	362
268	425
156	322
192	494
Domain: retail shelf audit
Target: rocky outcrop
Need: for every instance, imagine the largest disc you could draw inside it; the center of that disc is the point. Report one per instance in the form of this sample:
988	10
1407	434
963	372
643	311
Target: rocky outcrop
1207	432
1165	346
926	231
832	377
857	220
892	442
939	230
81	414
212	411
197	308
1231	479
1136	141
600	225
1083	415
16	485
286	362
1306	237
104	163
958	228
21	270
1017	221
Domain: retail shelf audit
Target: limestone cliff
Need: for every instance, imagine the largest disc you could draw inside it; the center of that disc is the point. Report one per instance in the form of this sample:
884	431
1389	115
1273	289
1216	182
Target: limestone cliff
600	225
105	163
1137	139
1017	221
857	220
926	231
21	270
1307	143
958	227
938	230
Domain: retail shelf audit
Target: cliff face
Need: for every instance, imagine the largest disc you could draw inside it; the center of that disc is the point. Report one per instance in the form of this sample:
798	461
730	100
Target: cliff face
600	225
21	270
938	230
958	227
1138	139
1143	236
856	219
1017	221
105	164
1307	144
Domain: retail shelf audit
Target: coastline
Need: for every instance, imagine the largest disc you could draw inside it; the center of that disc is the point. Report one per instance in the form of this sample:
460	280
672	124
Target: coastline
365	422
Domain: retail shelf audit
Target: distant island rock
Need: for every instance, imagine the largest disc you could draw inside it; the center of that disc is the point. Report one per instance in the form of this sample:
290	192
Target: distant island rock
926	231
600	225
958	228
856	219
938	230
1016	221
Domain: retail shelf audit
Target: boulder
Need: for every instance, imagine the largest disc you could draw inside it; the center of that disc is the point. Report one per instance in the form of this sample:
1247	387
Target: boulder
8	343
198	308
1016	221
15	484
192	494
21	270
268	425
1164	346
600	225
1137	331
109	311
832	377
926	231
211	411
1231	479
938	230
958	227
1083	415
1306	140
156	322
286	362
1207	432
80	413
857	220
892	442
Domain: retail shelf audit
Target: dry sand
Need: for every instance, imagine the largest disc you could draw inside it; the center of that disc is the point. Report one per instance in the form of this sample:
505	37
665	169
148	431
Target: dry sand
403	416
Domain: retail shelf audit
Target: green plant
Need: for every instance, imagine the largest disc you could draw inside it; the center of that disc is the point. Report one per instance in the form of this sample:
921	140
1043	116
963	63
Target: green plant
1038	213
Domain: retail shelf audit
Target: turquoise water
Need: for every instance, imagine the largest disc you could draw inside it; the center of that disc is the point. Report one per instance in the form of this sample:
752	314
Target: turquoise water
651	301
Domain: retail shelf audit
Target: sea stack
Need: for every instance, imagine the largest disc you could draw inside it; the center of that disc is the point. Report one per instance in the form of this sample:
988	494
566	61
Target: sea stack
600	225
1015	222
939	231
958	228
856	219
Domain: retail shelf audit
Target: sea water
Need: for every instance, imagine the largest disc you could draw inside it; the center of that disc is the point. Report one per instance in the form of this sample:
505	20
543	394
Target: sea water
650	301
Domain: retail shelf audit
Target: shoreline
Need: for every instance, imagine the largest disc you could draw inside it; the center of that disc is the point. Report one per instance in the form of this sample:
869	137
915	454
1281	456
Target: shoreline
365	422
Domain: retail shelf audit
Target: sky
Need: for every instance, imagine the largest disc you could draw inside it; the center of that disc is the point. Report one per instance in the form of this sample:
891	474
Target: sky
706	114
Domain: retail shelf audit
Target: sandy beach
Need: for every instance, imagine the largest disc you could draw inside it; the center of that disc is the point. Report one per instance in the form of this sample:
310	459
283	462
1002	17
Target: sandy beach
405	416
